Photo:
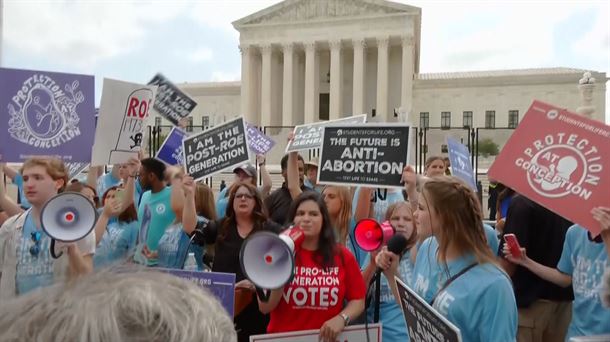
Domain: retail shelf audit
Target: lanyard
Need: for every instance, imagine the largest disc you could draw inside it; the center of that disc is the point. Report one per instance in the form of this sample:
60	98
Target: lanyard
452	279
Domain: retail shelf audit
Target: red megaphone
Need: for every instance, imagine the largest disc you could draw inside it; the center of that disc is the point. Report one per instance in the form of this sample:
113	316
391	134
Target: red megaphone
370	235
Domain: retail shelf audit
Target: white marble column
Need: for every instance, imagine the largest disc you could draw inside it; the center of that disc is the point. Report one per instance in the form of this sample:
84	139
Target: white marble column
382	79
247	92
288	85
336	80
406	84
266	51
311	109
359	76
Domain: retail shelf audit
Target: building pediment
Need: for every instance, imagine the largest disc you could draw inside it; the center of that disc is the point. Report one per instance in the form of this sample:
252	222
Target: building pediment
291	11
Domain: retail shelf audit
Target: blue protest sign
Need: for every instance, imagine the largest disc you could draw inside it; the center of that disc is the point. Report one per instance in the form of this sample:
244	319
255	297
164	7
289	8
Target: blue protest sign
46	114
460	162
171	149
258	142
221	285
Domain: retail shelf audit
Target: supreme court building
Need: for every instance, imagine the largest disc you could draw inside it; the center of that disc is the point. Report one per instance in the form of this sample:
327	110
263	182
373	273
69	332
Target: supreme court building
310	60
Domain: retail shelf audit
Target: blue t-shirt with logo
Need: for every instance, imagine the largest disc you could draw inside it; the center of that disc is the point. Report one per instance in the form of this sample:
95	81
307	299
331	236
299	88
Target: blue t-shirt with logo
585	261
481	302
33	270
174	248
162	216
117	243
18	180
390	313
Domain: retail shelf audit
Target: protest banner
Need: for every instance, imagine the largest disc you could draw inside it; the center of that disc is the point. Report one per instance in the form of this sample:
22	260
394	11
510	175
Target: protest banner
221	285
560	160
171	149
423	322
310	136
124	110
46	114
258	142
459	155
216	149
171	102
74	169
351	333
364	155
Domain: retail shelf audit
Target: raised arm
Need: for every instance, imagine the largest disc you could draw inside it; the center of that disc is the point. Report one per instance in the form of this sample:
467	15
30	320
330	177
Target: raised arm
265	176
9	171
363	204
292	175
10	207
189	213
547	273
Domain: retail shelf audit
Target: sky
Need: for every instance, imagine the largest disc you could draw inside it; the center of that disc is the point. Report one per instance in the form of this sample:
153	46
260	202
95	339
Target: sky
194	41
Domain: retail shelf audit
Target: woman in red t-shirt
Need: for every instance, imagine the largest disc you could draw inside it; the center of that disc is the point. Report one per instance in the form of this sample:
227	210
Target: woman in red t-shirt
314	299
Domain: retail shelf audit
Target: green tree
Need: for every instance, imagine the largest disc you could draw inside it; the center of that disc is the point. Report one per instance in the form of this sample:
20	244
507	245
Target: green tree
488	147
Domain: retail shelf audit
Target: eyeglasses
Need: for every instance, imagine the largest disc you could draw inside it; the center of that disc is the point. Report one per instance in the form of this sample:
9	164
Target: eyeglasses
246	196
35	248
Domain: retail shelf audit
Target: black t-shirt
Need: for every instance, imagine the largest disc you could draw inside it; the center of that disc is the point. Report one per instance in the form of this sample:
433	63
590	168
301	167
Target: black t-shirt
541	232
226	259
278	203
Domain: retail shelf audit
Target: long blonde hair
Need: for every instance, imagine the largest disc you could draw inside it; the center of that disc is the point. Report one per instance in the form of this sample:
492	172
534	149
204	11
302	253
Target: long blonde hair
461	218
342	220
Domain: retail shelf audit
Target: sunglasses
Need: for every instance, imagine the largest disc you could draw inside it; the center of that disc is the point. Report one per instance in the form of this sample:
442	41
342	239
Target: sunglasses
35	248
246	196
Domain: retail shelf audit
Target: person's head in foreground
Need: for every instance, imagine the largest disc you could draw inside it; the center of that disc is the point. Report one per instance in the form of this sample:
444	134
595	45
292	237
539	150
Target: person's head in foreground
110	306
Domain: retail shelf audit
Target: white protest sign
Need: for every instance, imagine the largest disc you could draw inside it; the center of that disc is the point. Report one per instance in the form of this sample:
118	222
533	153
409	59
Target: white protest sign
351	333
310	136
122	118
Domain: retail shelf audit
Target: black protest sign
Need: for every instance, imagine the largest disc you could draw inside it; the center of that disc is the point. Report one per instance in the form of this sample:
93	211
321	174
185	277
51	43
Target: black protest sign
216	149
310	136
364	155
171	102
423	322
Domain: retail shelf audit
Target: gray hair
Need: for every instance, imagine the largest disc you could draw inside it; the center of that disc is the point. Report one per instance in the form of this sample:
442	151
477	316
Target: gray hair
116	306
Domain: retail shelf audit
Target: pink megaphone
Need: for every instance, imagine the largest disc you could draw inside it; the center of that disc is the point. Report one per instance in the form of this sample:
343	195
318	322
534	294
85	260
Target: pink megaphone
370	235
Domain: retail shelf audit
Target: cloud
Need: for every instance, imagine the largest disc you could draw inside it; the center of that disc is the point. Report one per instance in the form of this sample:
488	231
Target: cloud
202	54
81	33
595	44
220	14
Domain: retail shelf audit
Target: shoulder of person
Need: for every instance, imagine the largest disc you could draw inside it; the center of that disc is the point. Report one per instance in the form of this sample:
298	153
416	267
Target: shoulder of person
14	222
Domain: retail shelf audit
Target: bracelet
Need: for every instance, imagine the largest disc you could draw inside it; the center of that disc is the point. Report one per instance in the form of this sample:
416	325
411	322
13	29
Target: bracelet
345	317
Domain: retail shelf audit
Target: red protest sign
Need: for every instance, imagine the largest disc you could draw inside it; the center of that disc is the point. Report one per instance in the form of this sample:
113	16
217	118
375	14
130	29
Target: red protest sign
560	160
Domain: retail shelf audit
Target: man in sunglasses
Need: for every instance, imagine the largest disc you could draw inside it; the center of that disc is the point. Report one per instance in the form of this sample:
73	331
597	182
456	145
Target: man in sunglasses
25	260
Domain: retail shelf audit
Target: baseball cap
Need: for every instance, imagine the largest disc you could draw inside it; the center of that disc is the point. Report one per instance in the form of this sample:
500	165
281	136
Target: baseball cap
247	168
312	162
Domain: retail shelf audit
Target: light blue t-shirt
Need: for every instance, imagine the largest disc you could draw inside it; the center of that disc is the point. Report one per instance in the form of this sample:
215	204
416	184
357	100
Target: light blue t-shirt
221	203
481	302
390	313
382	199
19	183
585	261
162	216
117	243
33	271
317	188
492	238
173	248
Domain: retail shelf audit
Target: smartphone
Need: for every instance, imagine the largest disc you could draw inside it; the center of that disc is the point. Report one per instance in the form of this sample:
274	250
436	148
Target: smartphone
513	245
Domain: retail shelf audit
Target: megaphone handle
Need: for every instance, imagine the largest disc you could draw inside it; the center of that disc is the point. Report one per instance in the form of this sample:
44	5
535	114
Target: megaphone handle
52	250
263	294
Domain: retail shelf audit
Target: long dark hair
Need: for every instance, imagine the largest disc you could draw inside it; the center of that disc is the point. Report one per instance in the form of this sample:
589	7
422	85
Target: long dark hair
259	213
327	244
129	214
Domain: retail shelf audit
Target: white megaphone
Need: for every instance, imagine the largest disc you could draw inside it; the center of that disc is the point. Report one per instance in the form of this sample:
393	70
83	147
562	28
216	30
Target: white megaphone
67	217
267	259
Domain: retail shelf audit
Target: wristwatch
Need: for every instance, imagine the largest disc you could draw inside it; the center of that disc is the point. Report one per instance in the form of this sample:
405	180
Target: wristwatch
345	318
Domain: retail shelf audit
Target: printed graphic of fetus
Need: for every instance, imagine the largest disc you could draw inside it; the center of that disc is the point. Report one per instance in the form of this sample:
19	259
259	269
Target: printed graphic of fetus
42	116
565	167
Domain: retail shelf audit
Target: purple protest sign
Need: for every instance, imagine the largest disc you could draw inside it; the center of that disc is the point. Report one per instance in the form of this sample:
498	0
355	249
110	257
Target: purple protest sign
258	142
221	285
46	114
171	149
